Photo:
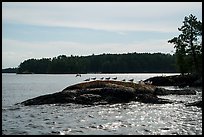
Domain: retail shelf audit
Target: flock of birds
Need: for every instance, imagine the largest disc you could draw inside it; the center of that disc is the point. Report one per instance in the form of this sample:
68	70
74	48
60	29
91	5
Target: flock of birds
113	78
102	78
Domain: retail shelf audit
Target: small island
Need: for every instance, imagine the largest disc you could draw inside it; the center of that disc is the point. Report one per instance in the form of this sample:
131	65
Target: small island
100	92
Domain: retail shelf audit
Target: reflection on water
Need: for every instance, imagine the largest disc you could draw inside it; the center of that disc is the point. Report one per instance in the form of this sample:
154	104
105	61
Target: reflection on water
132	118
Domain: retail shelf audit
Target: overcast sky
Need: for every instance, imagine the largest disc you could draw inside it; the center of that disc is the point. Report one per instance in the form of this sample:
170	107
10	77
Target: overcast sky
46	30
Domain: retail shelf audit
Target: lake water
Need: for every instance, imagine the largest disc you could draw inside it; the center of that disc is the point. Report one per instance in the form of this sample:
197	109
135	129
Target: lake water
132	118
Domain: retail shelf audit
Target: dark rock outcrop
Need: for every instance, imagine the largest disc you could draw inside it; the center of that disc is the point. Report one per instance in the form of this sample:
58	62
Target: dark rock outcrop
196	103
149	98
162	91
177	80
104	92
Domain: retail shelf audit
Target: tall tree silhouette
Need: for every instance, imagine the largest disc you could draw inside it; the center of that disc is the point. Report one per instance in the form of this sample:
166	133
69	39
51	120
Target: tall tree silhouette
189	45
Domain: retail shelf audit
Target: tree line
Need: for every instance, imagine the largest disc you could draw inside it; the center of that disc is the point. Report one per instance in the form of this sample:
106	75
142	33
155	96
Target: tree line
9	70
104	63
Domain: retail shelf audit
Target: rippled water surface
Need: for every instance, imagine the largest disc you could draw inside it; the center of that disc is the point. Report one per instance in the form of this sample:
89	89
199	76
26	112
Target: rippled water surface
132	118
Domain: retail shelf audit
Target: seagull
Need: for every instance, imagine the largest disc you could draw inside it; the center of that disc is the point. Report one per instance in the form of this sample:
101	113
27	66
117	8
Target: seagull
114	78
94	78
78	75
108	78
123	80
88	79
131	80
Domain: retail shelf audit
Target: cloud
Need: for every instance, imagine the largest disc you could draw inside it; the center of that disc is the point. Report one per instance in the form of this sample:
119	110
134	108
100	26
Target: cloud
36	23
120	16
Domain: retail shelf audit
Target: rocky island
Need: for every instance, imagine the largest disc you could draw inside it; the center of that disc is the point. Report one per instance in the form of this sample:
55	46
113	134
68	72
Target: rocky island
177	80
107	92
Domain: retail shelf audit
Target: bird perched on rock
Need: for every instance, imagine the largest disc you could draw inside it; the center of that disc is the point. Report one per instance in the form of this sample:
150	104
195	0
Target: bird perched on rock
94	78
78	75
88	79
131	80
107	78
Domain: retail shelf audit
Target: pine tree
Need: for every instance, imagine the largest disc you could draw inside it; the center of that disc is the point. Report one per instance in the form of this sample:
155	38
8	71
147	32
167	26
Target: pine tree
189	45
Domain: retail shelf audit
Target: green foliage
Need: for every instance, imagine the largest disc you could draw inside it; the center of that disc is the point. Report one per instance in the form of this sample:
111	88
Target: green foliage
105	63
189	46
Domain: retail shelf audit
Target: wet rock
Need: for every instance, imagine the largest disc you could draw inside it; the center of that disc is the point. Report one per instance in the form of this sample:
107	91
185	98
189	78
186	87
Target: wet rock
58	97
87	99
151	98
162	91
196	103
176	80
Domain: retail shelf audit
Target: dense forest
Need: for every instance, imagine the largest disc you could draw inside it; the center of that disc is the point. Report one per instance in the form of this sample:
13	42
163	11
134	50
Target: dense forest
104	63
9	70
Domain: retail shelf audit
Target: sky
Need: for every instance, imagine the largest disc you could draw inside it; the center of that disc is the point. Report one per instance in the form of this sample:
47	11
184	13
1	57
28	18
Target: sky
49	29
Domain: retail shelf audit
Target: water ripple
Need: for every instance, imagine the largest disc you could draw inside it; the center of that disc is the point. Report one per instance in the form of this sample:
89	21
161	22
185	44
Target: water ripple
120	119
